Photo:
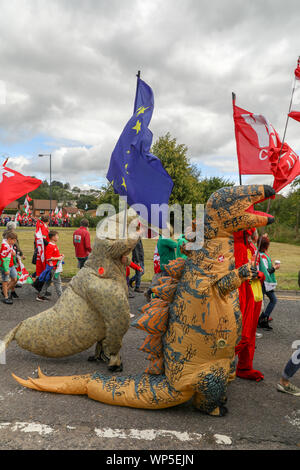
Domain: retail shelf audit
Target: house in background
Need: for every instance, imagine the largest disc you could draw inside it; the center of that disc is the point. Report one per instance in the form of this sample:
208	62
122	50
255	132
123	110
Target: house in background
13	206
72	211
42	207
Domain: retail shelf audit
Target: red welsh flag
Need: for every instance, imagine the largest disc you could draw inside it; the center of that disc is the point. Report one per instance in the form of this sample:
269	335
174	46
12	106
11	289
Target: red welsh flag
254	137
285	166
14	185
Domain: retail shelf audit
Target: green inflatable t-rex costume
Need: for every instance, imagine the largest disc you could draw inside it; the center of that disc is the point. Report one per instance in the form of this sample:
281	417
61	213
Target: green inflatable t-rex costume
93	309
194	325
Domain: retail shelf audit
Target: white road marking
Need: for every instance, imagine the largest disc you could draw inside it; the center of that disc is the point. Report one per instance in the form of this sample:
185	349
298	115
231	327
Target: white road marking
41	429
109	433
146	434
221	439
295	419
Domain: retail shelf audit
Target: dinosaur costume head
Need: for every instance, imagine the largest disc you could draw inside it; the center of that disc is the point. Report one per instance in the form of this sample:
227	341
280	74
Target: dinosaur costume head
230	209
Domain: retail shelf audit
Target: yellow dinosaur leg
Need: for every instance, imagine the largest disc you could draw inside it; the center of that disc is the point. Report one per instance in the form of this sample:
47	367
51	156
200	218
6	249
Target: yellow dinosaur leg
73	385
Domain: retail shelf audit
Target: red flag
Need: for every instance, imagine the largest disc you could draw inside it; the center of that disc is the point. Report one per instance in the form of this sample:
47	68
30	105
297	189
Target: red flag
14	185
285	169
254	136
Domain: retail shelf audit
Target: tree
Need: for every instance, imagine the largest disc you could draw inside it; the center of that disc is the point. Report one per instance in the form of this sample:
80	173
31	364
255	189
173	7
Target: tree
189	188
210	185
184	175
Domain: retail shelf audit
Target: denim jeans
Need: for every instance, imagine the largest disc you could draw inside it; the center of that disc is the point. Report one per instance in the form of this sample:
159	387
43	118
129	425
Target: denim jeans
270	307
138	276
292	366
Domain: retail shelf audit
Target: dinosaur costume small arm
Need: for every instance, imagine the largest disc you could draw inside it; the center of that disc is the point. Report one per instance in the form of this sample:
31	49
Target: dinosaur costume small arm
87	312
193	325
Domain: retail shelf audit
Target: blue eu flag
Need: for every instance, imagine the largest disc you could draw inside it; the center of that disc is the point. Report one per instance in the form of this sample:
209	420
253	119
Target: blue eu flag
133	170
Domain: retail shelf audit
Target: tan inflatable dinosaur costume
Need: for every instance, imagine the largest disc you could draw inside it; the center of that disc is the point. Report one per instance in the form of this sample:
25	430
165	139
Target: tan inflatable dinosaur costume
93	309
194	325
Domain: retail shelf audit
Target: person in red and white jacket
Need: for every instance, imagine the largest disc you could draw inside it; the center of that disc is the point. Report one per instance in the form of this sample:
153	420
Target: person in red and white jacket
82	243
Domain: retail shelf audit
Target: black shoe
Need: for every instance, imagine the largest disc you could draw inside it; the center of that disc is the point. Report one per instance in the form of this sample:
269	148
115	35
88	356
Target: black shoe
13	295
264	324
7	301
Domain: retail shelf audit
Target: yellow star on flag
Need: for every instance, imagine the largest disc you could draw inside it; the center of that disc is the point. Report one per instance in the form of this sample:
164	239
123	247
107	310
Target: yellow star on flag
137	127
141	110
126	168
124	184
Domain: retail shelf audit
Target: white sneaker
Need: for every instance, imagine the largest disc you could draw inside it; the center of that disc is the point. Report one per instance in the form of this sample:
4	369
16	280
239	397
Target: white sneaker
258	335
290	389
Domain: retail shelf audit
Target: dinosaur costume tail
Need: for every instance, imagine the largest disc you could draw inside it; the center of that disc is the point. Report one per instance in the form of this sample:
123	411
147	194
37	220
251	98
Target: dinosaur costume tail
140	391
147	390
8	338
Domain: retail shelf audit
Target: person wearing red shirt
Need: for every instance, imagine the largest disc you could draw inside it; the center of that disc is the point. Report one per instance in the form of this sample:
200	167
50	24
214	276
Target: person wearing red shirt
52	257
82	243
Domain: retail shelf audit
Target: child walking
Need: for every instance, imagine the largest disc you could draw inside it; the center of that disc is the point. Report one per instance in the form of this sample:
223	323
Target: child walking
7	266
51	273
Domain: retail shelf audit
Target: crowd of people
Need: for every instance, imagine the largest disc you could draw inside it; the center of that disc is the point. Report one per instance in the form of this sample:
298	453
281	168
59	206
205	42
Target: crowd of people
248	248
29	221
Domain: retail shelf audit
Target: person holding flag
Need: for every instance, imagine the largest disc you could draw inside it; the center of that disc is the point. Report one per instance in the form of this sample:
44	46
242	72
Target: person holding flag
41	242
134	172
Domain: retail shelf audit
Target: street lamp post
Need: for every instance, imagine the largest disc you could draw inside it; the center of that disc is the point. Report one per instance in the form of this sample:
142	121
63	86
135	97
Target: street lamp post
50	189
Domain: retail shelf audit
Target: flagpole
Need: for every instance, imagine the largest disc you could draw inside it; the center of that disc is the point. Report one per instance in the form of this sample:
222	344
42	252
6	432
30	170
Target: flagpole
233	105
138	75
280	152
287	119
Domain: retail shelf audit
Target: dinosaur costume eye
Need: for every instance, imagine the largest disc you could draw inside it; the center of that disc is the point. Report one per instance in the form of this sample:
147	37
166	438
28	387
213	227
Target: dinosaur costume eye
101	271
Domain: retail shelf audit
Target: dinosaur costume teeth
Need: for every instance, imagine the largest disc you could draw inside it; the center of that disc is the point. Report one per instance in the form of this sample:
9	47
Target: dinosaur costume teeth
194	325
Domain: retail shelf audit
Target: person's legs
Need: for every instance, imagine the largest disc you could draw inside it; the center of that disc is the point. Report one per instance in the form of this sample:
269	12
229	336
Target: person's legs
270	307
292	366
138	277
13	281
43	290
81	262
5	284
57	285
5	288
246	347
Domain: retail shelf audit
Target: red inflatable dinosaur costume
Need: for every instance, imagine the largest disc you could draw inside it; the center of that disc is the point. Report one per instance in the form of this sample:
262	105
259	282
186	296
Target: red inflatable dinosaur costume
243	252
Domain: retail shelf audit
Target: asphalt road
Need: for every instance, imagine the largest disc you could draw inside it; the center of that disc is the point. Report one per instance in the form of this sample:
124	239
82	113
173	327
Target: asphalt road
259	417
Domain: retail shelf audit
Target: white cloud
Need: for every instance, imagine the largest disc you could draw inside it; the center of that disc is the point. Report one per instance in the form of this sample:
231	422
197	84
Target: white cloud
68	68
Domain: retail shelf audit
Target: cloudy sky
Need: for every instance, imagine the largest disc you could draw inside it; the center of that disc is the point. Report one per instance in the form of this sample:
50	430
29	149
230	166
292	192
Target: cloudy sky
68	67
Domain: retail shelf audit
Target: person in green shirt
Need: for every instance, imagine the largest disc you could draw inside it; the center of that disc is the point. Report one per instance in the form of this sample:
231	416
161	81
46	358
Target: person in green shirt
166	249
180	242
269	284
